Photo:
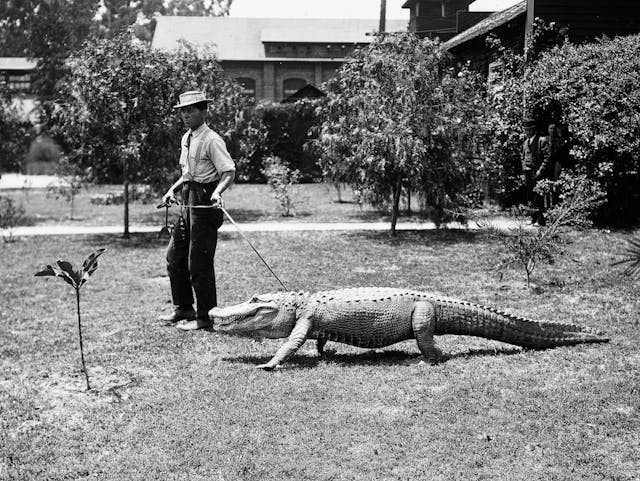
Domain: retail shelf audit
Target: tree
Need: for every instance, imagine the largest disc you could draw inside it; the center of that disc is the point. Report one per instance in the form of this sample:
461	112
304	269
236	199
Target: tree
14	40
117	16
116	119
46	31
397	116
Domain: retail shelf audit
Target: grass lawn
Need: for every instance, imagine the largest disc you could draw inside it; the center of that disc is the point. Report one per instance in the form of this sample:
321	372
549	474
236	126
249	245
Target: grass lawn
245	202
168	405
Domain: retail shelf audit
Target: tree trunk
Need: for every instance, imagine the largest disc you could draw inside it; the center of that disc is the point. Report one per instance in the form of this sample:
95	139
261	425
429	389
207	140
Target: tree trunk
383	16
395	210
125	179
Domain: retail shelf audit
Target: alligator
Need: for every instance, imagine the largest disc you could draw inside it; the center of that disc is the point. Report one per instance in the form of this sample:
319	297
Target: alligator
374	317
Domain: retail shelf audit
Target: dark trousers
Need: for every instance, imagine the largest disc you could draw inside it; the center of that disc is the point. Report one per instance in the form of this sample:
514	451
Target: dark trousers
191	252
534	200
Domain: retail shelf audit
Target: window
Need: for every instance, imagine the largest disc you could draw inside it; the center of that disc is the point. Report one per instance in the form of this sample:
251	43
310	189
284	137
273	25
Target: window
291	85
19	82
248	86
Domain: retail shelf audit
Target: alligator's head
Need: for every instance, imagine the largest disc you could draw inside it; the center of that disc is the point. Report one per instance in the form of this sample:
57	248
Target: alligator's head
266	315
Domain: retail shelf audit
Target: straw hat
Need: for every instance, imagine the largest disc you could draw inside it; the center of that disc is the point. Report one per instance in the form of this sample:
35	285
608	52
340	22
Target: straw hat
192	97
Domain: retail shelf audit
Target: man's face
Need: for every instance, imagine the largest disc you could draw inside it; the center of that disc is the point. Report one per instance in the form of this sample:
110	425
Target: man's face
192	116
530	131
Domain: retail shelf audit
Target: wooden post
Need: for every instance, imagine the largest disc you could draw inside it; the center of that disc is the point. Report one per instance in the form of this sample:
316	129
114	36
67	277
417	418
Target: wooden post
126	197
383	16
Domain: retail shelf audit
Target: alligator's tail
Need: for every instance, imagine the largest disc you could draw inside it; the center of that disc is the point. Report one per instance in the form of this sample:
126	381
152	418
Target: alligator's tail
466	318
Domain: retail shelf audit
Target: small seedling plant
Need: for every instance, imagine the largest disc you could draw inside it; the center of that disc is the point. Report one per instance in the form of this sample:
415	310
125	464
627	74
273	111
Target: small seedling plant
76	278
11	214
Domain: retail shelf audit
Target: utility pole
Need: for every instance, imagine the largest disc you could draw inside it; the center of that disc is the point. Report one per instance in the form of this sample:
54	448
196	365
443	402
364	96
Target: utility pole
383	16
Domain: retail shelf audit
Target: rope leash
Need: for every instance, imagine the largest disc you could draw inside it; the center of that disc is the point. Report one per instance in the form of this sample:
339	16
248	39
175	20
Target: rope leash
224	211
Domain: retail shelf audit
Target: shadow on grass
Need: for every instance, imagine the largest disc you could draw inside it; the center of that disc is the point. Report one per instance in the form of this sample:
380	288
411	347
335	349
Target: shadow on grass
430	237
137	240
371	358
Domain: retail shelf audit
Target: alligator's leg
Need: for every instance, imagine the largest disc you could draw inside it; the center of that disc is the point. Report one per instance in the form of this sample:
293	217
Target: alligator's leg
321	342
423	319
296	339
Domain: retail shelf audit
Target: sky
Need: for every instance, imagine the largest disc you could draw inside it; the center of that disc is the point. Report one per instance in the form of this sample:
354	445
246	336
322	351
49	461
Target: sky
339	8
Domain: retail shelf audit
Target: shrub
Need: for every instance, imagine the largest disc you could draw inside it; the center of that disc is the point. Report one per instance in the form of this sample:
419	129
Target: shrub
15	133
11	214
526	248
591	88
288	129
283	182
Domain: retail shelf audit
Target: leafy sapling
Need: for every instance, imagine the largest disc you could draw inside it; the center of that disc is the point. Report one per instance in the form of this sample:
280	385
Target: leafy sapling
11	214
76	278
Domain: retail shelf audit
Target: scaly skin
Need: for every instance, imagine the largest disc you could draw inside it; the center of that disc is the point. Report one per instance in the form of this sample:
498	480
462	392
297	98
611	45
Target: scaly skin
373	317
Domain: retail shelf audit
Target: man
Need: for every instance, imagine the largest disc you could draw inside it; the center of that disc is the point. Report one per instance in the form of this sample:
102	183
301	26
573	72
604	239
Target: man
535	160
207	171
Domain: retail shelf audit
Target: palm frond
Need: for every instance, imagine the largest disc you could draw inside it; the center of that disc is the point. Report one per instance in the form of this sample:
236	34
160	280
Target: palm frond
631	259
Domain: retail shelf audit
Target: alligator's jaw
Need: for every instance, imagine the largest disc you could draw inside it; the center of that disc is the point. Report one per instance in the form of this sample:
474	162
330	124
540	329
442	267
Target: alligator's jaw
253	318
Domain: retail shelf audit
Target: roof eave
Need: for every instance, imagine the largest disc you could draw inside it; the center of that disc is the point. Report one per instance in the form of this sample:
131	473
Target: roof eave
483	27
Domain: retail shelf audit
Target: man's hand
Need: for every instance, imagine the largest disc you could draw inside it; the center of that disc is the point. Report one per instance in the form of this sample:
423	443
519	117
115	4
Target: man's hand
216	200
169	197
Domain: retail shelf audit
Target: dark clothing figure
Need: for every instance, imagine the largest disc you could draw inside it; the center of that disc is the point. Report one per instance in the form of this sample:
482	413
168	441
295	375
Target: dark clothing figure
535	163
535	166
207	170
191	251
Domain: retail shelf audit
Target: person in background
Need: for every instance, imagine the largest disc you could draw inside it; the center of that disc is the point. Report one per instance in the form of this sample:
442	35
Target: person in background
535	164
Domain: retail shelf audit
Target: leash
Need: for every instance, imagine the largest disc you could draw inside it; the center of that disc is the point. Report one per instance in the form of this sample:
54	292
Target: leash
224	211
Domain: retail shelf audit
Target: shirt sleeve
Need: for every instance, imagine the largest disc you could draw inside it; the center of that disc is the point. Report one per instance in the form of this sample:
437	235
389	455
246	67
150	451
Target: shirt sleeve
220	155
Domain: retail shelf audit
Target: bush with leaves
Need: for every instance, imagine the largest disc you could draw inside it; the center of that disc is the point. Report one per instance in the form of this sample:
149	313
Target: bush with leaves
76	278
590	88
15	134
283	182
398	116
11	214
69	184
527	247
289	127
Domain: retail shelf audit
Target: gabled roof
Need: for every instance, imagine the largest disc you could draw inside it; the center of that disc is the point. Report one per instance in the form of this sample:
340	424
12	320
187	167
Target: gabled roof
307	92
17	63
236	38
488	24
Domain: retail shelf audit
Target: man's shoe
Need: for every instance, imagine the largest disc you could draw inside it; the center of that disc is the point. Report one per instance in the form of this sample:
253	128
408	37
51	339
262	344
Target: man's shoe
178	315
195	325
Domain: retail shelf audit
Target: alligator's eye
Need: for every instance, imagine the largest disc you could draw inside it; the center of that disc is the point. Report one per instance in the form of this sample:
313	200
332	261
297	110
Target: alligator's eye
254	299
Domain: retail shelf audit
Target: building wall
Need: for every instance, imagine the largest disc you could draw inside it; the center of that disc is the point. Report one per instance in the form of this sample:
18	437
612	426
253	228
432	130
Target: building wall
478	53
588	19
270	75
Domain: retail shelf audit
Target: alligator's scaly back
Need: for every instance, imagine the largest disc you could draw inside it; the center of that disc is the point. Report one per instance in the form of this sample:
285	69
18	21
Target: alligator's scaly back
376	317
466	318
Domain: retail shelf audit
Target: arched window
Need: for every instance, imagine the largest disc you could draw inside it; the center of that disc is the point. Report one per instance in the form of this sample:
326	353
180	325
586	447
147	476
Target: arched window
291	85
248	86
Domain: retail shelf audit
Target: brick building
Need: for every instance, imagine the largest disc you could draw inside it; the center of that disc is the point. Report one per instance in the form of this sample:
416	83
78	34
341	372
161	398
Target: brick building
273	58
16	73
